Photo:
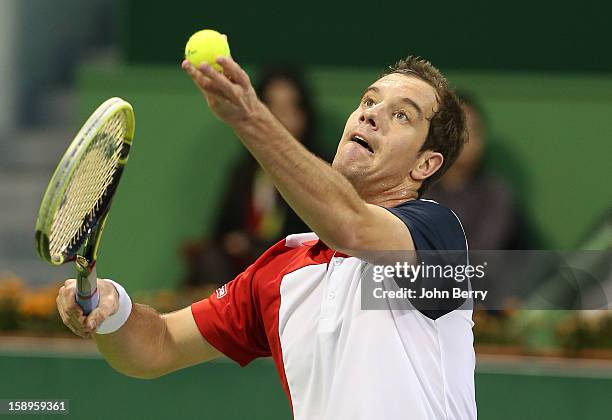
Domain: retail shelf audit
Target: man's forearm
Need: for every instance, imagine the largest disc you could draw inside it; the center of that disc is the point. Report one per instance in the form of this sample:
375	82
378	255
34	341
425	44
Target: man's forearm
136	348
310	186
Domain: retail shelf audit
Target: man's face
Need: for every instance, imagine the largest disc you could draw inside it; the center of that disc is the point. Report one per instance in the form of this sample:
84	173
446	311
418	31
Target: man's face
379	148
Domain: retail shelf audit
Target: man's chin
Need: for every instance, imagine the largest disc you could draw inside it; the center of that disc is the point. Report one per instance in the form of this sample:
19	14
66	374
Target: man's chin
355	173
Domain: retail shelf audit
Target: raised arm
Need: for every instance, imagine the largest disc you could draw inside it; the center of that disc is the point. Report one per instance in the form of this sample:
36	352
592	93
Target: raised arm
148	345
323	198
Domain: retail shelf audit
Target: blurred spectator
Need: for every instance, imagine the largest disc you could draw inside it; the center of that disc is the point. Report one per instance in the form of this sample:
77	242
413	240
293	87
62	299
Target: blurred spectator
485	204
253	215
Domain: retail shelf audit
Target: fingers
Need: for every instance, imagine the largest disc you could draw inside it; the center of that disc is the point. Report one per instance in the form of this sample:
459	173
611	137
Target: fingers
70	312
229	93
109	303
234	71
203	83
95	318
219	81
221	84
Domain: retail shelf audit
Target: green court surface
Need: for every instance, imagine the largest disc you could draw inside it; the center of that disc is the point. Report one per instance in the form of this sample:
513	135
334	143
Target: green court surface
218	390
506	390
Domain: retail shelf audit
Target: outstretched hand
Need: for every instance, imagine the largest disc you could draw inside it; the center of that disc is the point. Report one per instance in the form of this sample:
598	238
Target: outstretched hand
230	94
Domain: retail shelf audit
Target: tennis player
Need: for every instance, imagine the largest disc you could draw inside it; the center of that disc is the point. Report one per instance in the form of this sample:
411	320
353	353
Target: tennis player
300	302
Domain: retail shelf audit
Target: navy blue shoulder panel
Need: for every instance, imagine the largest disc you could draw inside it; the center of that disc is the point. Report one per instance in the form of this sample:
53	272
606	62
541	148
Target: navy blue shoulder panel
434	227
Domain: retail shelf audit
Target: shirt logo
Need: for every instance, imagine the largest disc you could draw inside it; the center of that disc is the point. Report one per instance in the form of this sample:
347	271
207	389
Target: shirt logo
221	291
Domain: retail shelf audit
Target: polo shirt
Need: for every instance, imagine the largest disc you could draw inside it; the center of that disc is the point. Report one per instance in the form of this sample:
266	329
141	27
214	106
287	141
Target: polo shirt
300	303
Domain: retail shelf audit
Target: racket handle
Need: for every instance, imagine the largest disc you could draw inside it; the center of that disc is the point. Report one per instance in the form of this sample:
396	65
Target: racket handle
87	285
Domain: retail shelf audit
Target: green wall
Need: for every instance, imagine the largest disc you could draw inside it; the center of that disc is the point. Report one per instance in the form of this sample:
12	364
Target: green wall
485	35
551	138
223	391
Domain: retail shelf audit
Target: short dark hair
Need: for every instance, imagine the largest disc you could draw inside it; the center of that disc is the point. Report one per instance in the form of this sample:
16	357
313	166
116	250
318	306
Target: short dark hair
447	128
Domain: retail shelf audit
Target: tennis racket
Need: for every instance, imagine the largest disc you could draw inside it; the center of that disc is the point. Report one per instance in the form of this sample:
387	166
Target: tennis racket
76	203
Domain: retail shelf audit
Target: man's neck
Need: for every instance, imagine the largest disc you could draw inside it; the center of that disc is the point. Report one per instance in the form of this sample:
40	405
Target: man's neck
392	197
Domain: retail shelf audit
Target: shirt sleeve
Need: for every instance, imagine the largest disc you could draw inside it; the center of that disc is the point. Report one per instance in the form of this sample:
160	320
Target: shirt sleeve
433	227
230	319
435	230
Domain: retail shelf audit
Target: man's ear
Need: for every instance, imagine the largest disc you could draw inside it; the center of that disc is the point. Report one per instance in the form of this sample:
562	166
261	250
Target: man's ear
427	164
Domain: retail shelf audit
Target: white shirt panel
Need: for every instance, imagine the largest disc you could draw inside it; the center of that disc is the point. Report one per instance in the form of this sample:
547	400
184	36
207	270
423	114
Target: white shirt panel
342	362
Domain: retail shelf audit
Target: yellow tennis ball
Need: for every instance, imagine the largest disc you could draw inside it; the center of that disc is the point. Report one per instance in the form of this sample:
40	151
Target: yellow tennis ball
206	46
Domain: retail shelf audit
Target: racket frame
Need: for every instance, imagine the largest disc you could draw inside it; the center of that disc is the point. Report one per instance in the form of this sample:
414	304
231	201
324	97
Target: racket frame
89	241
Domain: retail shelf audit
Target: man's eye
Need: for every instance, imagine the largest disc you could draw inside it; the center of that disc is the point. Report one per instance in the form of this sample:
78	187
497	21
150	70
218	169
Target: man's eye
367	102
401	115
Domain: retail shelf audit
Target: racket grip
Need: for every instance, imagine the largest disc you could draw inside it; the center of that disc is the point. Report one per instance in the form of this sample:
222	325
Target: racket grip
87	285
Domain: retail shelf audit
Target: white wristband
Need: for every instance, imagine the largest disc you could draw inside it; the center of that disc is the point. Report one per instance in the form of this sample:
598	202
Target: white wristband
116	321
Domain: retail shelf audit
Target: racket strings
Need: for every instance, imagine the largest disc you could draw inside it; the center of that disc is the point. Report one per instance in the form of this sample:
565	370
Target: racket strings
92	177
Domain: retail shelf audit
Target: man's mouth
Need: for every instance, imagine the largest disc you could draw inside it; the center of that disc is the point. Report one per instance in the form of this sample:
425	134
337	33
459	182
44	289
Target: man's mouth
361	141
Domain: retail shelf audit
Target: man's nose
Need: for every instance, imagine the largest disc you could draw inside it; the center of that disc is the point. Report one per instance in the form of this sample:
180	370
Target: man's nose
369	117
